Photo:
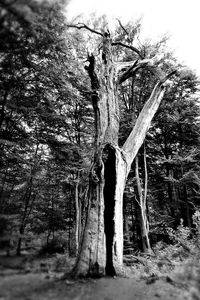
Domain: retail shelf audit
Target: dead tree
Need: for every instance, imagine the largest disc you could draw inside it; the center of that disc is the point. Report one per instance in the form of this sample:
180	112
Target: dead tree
101	248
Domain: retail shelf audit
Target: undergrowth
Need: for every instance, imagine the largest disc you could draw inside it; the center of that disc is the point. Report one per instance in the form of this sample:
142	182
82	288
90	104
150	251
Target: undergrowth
178	262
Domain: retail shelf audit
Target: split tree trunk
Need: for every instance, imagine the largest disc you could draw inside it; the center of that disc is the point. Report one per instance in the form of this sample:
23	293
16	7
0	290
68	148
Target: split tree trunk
101	248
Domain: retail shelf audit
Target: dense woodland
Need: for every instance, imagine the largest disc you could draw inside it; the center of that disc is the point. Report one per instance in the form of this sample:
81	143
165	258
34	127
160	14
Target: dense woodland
48	134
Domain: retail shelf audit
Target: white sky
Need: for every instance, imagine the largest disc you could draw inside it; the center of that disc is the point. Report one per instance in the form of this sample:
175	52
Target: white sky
179	18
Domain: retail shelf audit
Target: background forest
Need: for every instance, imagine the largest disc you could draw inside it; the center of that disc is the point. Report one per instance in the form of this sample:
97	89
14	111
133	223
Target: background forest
47	137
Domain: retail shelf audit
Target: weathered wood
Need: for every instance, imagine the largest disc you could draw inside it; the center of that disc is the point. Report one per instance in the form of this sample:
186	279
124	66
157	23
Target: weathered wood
143	122
101	249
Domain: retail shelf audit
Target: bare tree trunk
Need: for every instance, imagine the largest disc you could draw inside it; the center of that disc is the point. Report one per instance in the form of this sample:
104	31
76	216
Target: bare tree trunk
102	244
126	220
25	215
78	214
144	225
101	248
145	201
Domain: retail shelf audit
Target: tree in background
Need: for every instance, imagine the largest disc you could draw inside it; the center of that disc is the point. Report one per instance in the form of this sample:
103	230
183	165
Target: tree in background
173	152
42	112
132	96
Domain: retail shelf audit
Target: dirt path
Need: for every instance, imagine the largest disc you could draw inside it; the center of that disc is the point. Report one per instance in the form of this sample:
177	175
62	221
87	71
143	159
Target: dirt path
42	287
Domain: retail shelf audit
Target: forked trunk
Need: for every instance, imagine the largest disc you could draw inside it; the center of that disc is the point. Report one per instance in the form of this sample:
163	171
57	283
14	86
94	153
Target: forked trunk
101	248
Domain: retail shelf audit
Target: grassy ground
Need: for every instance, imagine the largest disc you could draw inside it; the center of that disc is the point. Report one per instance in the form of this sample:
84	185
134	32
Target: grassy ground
29	278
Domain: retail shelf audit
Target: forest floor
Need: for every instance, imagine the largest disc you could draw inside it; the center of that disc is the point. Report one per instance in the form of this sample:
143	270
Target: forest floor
25	279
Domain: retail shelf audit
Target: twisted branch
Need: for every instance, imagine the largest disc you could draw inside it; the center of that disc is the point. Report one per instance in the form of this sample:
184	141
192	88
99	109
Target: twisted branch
128	47
84	26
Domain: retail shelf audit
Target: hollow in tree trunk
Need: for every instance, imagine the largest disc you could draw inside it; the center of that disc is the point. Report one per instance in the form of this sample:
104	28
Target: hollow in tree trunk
101	248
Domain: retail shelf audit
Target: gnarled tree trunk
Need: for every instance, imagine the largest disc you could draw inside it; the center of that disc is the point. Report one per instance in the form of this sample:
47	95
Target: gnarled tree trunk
101	248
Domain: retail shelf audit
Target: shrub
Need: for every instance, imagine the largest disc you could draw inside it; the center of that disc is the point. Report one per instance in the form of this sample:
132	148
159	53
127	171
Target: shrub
56	245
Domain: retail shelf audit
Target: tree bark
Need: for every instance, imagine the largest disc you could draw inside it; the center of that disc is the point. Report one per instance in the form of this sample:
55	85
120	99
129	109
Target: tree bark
101	248
77	212
144	226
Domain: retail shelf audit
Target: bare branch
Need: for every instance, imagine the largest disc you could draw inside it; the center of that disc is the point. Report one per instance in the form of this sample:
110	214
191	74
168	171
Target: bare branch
120	24
120	65
128	47
91	71
130	72
134	68
163	80
143	122
84	26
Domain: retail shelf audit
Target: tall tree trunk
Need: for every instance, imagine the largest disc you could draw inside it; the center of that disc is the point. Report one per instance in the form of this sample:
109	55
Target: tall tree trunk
101	249
126	219
144	224
102	244
78	213
25	215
